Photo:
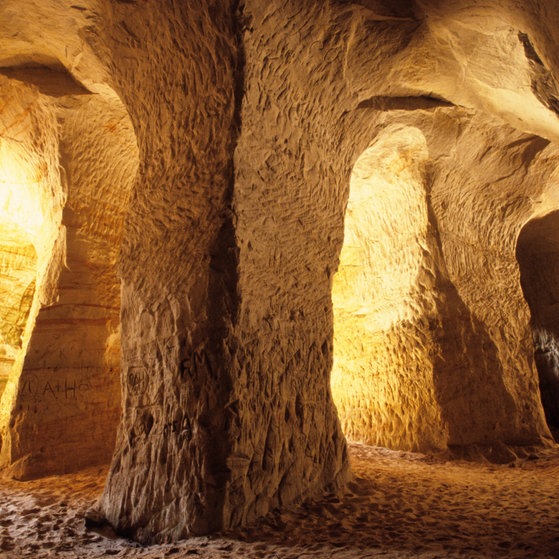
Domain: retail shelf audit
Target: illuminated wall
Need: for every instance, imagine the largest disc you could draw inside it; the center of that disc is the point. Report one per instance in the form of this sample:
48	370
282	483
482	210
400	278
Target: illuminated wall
382	376
31	199
21	227
538	257
18	272
20	223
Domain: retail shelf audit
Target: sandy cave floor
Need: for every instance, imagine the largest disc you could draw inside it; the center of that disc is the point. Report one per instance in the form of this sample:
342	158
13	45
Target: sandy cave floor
400	505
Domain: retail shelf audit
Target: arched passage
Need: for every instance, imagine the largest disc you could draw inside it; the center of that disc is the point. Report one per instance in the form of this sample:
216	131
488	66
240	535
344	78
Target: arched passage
63	401
538	257
382	374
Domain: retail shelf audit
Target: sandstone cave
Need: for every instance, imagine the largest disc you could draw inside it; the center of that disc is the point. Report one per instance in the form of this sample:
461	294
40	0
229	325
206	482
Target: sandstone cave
279	279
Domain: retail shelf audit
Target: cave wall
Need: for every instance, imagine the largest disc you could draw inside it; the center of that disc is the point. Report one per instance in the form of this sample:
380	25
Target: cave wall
288	172
385	298
249	120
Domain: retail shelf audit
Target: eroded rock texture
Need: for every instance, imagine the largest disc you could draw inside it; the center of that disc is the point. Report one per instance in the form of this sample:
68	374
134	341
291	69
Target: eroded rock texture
178	268
257	197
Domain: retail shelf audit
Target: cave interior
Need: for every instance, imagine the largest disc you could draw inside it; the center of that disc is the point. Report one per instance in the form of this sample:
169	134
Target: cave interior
236	235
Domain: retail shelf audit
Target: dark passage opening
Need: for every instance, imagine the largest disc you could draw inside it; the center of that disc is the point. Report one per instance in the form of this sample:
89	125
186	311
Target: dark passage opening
538	257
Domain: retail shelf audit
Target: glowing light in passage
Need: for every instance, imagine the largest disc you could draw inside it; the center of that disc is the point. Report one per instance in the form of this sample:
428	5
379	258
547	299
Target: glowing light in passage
22	236
376	288
20	202
386	221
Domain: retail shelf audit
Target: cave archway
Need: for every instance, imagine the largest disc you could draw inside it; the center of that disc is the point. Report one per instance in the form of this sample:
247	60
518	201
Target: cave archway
381	378
537	253
66	382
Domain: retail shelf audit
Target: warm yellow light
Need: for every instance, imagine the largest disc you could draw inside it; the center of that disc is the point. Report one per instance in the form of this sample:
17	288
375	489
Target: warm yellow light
31	236
22	237
20	199
23	234
379	370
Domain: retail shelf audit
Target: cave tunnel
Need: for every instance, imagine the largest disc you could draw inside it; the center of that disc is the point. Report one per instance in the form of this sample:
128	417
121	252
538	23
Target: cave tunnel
538	258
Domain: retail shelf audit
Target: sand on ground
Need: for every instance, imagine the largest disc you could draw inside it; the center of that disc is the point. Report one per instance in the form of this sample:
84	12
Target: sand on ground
399	505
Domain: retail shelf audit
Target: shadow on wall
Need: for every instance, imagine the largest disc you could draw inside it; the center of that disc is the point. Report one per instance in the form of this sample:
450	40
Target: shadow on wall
468	379
538	257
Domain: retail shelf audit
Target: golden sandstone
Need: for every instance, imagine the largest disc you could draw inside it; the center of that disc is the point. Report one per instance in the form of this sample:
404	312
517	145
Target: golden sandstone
233	234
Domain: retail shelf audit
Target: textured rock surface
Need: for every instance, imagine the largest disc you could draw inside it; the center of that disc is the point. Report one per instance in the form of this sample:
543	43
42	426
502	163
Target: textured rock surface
385	299
31	201
434	123
169	474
